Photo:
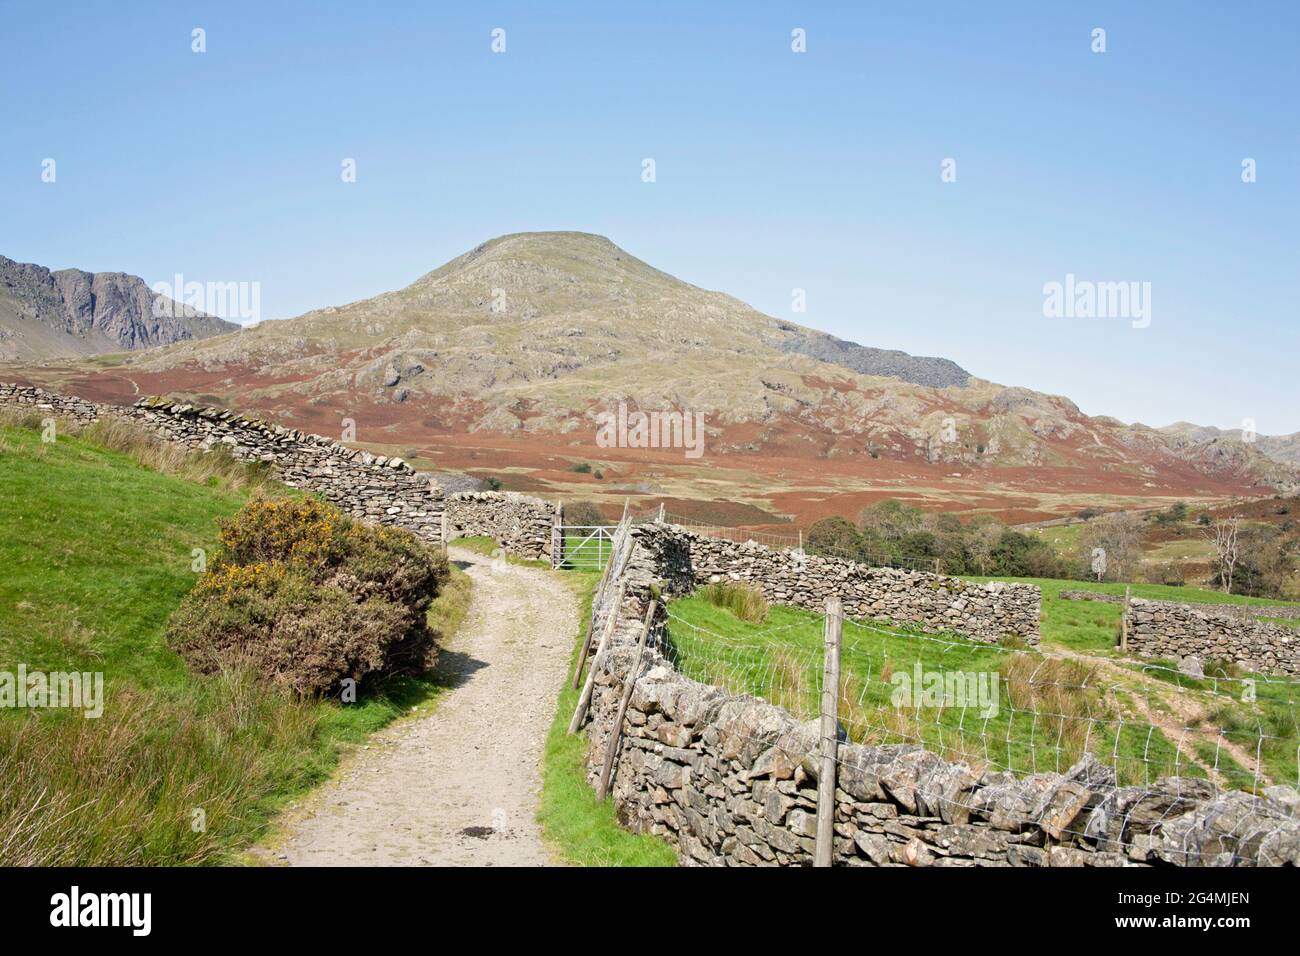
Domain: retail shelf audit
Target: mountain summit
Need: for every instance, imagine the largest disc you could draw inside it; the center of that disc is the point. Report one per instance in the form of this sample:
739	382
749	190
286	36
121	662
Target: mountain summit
537	334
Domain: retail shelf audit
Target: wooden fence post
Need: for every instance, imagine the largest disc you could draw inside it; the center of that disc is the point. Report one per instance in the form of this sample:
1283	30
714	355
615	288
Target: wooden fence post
830	735
1123	622
557	536
616	732
584	700
597	601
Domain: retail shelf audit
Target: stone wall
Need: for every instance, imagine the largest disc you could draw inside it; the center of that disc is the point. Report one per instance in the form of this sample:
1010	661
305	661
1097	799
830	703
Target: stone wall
42	402
732	781
1208	631
932	602
371	487
367	486
1241	610
520	524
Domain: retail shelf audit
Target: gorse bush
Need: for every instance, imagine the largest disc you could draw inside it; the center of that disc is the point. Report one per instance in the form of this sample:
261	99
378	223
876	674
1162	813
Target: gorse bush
746	602
304	597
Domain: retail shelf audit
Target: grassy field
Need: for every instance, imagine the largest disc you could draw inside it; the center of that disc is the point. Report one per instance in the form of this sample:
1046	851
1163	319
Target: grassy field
180	769
584	553
1093	626
581	828
1147	722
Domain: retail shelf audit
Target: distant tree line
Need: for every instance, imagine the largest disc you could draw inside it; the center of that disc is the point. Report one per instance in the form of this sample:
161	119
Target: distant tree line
892	533
1255	559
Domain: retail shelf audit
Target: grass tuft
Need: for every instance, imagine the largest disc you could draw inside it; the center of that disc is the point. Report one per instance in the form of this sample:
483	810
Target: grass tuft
742	600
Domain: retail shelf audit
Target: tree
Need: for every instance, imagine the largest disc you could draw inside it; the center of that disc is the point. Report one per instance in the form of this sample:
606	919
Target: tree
836	537
1117	537
1223	538
980	543
891	520
1266	563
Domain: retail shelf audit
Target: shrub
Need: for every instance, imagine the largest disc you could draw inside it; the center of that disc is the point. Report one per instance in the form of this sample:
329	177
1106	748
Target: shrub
1167	572
582	468
304	597
746	602
1174	514
584	514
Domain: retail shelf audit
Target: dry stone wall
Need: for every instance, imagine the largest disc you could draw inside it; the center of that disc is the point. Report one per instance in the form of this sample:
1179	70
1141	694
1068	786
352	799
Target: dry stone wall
519	523
732	781
370	487
42	402
1206	631
1289	611
932	602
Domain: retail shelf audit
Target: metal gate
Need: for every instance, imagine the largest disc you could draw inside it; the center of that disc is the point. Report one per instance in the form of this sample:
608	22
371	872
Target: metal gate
585	547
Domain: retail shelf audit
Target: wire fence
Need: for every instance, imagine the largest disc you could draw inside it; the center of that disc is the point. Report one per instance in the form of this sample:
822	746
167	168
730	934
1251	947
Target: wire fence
1018	710
1099	753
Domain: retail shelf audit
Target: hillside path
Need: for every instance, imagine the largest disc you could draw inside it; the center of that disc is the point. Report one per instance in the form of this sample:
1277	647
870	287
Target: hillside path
460	786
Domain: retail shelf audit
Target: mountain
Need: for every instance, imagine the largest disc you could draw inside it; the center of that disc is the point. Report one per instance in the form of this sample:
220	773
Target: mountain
890	363
511	352
1280	448
46	314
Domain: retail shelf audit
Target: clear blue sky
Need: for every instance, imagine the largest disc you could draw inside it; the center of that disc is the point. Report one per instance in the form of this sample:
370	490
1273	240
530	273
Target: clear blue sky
775	170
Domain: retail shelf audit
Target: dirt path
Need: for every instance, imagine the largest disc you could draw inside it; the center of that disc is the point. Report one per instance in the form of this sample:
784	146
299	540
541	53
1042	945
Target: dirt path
1192	714
460	786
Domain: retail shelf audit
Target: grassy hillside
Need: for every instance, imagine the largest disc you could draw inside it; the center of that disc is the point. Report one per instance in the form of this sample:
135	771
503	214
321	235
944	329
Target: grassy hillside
180	769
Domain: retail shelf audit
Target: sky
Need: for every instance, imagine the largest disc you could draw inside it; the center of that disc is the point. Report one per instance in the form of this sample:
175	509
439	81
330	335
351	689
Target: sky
774	170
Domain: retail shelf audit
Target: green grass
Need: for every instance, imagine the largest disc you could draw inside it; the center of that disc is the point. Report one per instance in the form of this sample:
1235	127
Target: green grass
1050	710
586	554
582	829
1181	550
1237	775
489	547
97	552
1092	627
